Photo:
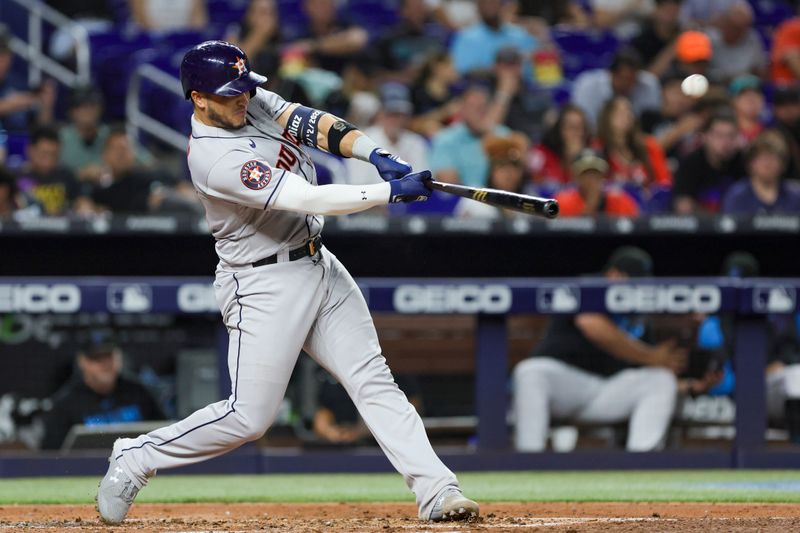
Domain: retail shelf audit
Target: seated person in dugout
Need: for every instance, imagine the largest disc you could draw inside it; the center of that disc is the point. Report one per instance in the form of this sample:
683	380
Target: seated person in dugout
593	368
98	393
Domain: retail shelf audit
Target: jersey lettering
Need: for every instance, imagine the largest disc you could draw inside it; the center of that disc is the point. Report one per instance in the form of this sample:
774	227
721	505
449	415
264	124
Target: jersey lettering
286	159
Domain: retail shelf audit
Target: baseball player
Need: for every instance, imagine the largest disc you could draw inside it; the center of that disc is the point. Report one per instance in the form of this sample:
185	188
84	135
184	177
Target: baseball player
279	289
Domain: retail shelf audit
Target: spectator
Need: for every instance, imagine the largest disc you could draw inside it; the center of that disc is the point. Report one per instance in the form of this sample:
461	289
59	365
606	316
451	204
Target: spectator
456	152
634	159
656	42
19	106
454	14
9	201
705	13
169	15
42	180
786	110
431	94
678	120
336	419
737	46
785	54
99	393
330	41
83	139
474	49
592	89
403	49
593	367
693	54
547	13
390	132
765	191
260	37
705	174
623	16
123	186
748	104
550	162
588	197
506	172
355	100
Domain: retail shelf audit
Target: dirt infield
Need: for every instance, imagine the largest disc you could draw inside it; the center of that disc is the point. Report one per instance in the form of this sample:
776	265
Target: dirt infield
358	518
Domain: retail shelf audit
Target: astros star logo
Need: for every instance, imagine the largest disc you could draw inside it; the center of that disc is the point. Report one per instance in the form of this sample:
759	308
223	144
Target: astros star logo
255	174
240	66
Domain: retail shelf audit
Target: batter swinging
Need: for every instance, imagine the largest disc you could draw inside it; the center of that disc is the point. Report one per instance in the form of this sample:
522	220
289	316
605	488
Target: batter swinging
279	290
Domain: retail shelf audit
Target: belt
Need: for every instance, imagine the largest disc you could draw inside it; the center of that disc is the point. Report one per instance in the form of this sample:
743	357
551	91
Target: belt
310	248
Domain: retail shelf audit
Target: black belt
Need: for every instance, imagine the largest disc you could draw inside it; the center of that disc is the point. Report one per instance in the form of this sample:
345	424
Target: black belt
310	248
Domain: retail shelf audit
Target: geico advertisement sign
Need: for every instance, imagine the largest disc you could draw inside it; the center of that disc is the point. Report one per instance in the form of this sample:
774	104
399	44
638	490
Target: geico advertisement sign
663	298
452	299
196	298
40	298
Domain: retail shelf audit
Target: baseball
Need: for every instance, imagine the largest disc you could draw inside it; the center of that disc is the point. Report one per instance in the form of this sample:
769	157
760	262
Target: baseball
695	85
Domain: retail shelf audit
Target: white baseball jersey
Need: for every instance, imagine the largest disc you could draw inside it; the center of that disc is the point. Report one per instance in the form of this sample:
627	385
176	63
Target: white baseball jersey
238	174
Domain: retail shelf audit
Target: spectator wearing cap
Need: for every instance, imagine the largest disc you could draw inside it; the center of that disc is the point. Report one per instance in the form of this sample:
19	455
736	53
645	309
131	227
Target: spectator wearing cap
474	49
624	17
764	192
507	172
457	155
21	107
550	161
656	42
390	132
625	77
43	180
705	174
596	368
786	111
785	53
589	196
98	393
748	104
693	54
737	46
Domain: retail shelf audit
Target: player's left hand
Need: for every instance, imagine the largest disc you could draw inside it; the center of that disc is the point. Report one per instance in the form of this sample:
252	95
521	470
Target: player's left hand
410	188
389	166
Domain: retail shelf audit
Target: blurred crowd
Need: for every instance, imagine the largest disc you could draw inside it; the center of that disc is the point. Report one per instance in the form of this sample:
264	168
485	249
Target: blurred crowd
601	104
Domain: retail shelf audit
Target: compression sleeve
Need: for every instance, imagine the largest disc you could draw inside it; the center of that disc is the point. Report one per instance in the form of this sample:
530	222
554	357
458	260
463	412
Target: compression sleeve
298	195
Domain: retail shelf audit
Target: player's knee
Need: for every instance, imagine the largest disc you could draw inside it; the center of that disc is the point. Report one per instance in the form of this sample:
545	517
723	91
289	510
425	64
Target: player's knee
661	381
792	382
251	425
533	371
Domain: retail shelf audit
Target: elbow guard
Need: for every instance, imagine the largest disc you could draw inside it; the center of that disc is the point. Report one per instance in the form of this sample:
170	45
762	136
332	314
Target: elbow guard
304	125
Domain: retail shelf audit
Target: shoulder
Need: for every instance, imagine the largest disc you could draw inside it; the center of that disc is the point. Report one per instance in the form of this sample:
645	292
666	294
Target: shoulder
648	80
592	77
449	135
739	188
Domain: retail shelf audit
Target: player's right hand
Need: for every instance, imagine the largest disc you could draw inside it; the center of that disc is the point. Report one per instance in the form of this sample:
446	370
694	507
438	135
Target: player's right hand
410	188
389	166
669	355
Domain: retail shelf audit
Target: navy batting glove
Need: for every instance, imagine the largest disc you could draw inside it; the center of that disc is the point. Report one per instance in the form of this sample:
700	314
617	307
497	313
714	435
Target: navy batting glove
389	166
411	188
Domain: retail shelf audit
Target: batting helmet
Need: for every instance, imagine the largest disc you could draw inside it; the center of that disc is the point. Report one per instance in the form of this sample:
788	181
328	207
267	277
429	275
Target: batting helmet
218	67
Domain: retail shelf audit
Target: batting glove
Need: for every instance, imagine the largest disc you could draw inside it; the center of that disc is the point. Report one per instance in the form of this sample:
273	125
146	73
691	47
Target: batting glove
389	166
410	188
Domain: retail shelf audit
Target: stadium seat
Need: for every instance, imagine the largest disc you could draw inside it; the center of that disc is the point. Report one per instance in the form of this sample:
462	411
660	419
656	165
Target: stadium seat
660	201
770	12
584	50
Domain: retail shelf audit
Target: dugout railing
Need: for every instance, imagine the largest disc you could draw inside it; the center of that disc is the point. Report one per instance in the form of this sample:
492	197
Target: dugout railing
491	302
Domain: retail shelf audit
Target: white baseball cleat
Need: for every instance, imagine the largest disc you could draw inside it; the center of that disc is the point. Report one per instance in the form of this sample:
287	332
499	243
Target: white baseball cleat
452	505
115	494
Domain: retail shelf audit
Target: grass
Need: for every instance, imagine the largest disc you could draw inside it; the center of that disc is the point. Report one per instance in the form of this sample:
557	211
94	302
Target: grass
693	485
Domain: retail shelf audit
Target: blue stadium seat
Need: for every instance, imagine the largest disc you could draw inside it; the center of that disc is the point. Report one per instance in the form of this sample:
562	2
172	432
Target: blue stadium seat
660	201
439	203
584	50
771	12
225	12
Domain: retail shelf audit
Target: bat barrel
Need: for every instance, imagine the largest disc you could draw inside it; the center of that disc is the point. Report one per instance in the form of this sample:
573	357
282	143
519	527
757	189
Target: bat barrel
550	209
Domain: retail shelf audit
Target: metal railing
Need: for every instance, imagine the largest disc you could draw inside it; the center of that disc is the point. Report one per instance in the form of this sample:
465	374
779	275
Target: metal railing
33	50
138	121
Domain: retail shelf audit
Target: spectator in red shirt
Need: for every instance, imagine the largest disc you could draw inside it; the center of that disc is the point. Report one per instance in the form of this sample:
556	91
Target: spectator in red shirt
550	161
634	159
786	52
748	104
589	197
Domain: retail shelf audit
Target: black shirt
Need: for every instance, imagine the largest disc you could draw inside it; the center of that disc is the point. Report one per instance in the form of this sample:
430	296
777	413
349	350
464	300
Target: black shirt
127	194
563	340
649	44
76	403
697	179
405	45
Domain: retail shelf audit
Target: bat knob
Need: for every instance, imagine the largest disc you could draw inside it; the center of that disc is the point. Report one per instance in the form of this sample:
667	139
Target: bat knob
550	209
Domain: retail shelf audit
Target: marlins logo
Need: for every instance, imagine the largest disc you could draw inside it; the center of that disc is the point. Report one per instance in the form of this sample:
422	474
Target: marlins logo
255	175
240	66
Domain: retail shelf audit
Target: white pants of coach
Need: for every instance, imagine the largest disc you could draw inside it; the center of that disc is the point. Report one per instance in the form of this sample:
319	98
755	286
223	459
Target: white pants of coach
272	312
545	387
782	384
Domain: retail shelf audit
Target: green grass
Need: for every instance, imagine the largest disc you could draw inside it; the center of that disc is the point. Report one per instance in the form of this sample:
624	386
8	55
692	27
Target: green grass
693	485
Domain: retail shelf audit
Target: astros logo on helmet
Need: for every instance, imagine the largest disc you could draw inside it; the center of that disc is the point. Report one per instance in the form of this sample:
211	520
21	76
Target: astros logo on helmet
240	66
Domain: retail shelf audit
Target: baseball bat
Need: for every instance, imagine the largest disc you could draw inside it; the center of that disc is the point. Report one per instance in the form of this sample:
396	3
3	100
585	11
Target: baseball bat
532	205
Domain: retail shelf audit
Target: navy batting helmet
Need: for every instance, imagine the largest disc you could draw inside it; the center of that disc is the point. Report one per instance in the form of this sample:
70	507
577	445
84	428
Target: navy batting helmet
218	67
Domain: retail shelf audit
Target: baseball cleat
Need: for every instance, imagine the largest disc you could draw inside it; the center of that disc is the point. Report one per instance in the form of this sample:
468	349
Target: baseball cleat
452	505
115	494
